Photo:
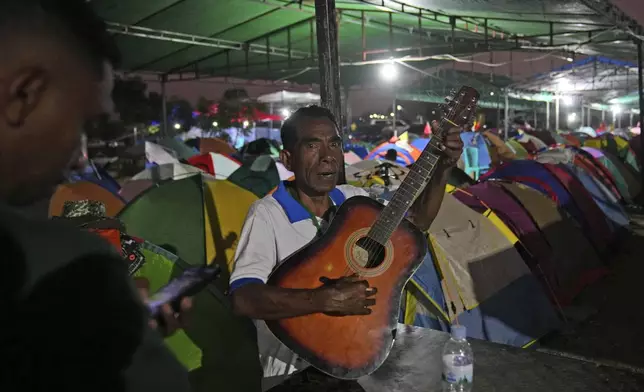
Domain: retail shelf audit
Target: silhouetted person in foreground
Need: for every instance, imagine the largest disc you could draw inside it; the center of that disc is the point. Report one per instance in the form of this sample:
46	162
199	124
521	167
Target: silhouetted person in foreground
72	319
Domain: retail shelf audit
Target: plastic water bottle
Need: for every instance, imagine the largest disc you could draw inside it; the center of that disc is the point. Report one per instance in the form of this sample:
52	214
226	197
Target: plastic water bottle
458	362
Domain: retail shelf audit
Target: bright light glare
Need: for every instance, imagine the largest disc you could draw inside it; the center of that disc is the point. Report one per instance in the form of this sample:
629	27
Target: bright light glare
566	100
286	113
569	59
572	117
177	126
616	109
391	114
215	124
491	92
564	85
245	124
398	107
388	72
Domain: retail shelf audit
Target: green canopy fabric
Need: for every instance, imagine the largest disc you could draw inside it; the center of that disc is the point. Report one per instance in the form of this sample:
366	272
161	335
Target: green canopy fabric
259	176
171	215
218	348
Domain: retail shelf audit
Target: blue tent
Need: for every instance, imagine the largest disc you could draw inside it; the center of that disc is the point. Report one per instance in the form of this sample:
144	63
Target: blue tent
475	139
617	217
536	176
404	157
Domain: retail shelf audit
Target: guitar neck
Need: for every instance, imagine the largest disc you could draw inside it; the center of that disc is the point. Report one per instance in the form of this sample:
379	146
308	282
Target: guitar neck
412	186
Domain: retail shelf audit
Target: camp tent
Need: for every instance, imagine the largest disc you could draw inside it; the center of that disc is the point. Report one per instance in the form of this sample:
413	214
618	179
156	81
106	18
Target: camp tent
576	261
477	140
519	151
499	151
218	165
406	154
618	147
84	190
259	176
167	172
487	285
219	146
627	182
197	219
563	188
218	348
534	248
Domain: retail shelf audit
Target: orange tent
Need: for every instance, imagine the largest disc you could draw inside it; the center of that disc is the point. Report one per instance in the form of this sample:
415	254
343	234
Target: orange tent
84	190
215	145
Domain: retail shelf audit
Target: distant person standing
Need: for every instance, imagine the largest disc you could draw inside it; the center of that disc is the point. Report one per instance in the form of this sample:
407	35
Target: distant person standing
72	317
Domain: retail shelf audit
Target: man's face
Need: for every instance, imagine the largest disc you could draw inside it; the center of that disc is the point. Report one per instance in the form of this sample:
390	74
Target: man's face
43	109
317	158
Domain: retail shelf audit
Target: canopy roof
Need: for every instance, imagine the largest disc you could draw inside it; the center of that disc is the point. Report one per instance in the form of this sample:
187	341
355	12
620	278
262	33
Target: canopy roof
289	97
276	39
599	79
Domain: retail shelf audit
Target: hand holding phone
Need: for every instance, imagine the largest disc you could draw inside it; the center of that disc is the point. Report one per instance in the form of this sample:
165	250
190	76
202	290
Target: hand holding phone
168	306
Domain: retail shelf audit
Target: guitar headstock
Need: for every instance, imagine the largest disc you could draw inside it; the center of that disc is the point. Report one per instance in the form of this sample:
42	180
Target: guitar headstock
458	109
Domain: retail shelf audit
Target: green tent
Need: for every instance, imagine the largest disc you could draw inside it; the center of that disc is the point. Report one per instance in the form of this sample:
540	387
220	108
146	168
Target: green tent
218	348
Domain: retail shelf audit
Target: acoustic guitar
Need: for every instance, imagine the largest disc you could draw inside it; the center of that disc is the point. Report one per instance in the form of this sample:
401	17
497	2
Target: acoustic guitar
376	243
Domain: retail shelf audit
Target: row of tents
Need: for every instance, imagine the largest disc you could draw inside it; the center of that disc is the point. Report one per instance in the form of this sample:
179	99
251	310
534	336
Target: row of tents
508	253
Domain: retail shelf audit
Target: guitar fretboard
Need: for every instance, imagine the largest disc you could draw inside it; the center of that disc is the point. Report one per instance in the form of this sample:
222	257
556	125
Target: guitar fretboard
419	174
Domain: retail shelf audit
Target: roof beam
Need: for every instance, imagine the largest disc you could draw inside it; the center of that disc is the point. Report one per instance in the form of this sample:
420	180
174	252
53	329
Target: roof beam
145	65
300	54
171	36
615	15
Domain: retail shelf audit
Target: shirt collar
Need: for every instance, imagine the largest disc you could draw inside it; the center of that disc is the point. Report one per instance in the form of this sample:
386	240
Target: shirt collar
293	209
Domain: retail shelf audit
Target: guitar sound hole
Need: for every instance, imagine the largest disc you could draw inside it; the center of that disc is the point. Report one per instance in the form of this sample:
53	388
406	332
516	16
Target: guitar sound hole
369	253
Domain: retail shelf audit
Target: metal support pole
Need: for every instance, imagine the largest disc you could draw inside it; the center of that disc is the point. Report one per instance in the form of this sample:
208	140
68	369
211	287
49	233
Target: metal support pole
589	118
630	118
557	114
603	115
164	107
535	118
328	59
582	117
547	116
507	115
393	119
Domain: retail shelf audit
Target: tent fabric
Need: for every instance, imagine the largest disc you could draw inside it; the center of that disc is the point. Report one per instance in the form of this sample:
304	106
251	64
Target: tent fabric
571	139
218	348
360	151
616	146
407	154
167	172
258	176
561	187
285	174
603	198
519	151
595	221
98	176
576	261
156	154
619	168
423	303
611	171
134	188
192	218
488	287
592	165
218	146
182	150
545	136
84	190
218	165
476	139
498	150
420	143
539	256
351	157
458	178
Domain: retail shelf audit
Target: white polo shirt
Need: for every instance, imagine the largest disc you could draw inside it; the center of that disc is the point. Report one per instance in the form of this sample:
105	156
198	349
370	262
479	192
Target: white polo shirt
275	227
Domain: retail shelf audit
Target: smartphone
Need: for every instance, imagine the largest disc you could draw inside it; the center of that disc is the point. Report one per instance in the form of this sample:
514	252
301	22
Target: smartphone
188	284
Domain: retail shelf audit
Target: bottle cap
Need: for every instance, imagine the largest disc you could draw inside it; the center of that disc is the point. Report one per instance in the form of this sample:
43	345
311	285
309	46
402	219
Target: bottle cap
459	332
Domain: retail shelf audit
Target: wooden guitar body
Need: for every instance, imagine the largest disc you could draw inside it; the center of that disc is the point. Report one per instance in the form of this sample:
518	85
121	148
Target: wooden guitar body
352	346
